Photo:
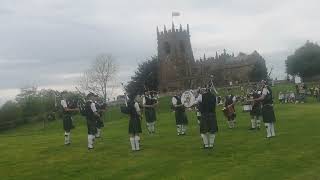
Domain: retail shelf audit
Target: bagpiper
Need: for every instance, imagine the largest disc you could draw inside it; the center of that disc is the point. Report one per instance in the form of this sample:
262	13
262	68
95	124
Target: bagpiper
208	122
67	118
268	115
149	102
230	101
180	114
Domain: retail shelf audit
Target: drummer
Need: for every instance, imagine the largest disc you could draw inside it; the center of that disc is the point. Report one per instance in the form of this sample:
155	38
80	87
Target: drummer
180	114
230	101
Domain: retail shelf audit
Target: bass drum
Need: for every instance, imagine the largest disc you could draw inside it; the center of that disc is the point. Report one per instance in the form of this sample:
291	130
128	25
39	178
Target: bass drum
188	99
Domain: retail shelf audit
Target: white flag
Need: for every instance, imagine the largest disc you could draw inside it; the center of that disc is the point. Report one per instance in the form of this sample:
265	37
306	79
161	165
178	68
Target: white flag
175	14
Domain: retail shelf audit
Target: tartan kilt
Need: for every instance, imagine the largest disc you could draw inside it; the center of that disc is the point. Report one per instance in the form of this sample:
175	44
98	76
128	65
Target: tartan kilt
256	111
181	118
100	123
208	123
67	123
92	126
135	125
150	114
268	114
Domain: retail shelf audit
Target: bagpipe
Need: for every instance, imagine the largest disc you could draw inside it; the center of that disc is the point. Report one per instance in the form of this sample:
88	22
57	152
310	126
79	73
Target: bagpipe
228	111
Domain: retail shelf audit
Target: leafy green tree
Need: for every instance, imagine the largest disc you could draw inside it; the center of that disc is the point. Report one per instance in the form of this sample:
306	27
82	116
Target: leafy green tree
259	72
146	77
305	62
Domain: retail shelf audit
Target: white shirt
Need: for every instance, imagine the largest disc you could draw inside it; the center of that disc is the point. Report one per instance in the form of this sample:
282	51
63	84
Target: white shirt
199	99
265	91
64	103
174	101
136	106
93	107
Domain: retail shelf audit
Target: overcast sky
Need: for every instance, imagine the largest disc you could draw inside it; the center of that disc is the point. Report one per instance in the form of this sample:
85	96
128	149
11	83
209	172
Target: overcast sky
48	43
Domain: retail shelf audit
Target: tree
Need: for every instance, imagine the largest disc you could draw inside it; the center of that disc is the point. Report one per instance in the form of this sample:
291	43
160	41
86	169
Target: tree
146	77
305	62
259	71
98	77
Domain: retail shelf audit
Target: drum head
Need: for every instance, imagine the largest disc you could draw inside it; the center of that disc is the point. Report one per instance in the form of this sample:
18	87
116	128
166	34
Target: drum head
188	99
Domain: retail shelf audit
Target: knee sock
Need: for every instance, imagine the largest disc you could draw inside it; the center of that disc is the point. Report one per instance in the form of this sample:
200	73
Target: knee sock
67	137
137	142
149	127
98	133
205	140
132	142
268	129
253	123
211	139
258	122
90	141
179	129
272	129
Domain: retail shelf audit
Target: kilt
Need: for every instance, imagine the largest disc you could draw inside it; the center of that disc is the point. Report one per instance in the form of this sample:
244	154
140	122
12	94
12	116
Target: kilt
181	118
134	125
256	111
268	114
67	123
92	126
150	114
208	123
100	123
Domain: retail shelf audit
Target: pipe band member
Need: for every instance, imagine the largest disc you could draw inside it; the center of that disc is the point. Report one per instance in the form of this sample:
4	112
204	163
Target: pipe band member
101	108
149	102
208	121
135	130
67	118
230	101
256	111
268	115
180	114
91	116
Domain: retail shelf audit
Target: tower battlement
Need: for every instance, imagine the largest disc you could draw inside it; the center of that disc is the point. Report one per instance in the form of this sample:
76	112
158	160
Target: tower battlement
172	31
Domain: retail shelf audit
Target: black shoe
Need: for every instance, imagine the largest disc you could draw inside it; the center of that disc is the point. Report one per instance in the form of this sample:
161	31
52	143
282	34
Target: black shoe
251	129
204	147
90	149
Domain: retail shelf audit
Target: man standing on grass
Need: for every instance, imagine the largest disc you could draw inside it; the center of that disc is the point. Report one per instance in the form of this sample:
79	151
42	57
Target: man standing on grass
180	114
208	122
267	109
101	108
230	102
133	110
149	102
91	116
67	118
255	112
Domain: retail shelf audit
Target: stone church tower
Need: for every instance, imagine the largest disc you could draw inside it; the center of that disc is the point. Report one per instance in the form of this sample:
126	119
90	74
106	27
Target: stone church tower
175	58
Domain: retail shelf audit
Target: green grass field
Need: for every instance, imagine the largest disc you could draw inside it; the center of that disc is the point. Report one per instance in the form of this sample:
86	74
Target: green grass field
31	152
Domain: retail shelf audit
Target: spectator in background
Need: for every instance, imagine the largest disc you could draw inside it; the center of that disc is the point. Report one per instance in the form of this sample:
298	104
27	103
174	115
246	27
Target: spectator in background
281	97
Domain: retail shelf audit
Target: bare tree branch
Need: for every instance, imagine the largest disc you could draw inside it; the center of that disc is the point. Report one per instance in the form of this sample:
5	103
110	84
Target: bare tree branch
98	77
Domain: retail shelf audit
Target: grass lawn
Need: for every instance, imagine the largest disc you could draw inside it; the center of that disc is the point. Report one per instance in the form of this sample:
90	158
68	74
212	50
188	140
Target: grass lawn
31	152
